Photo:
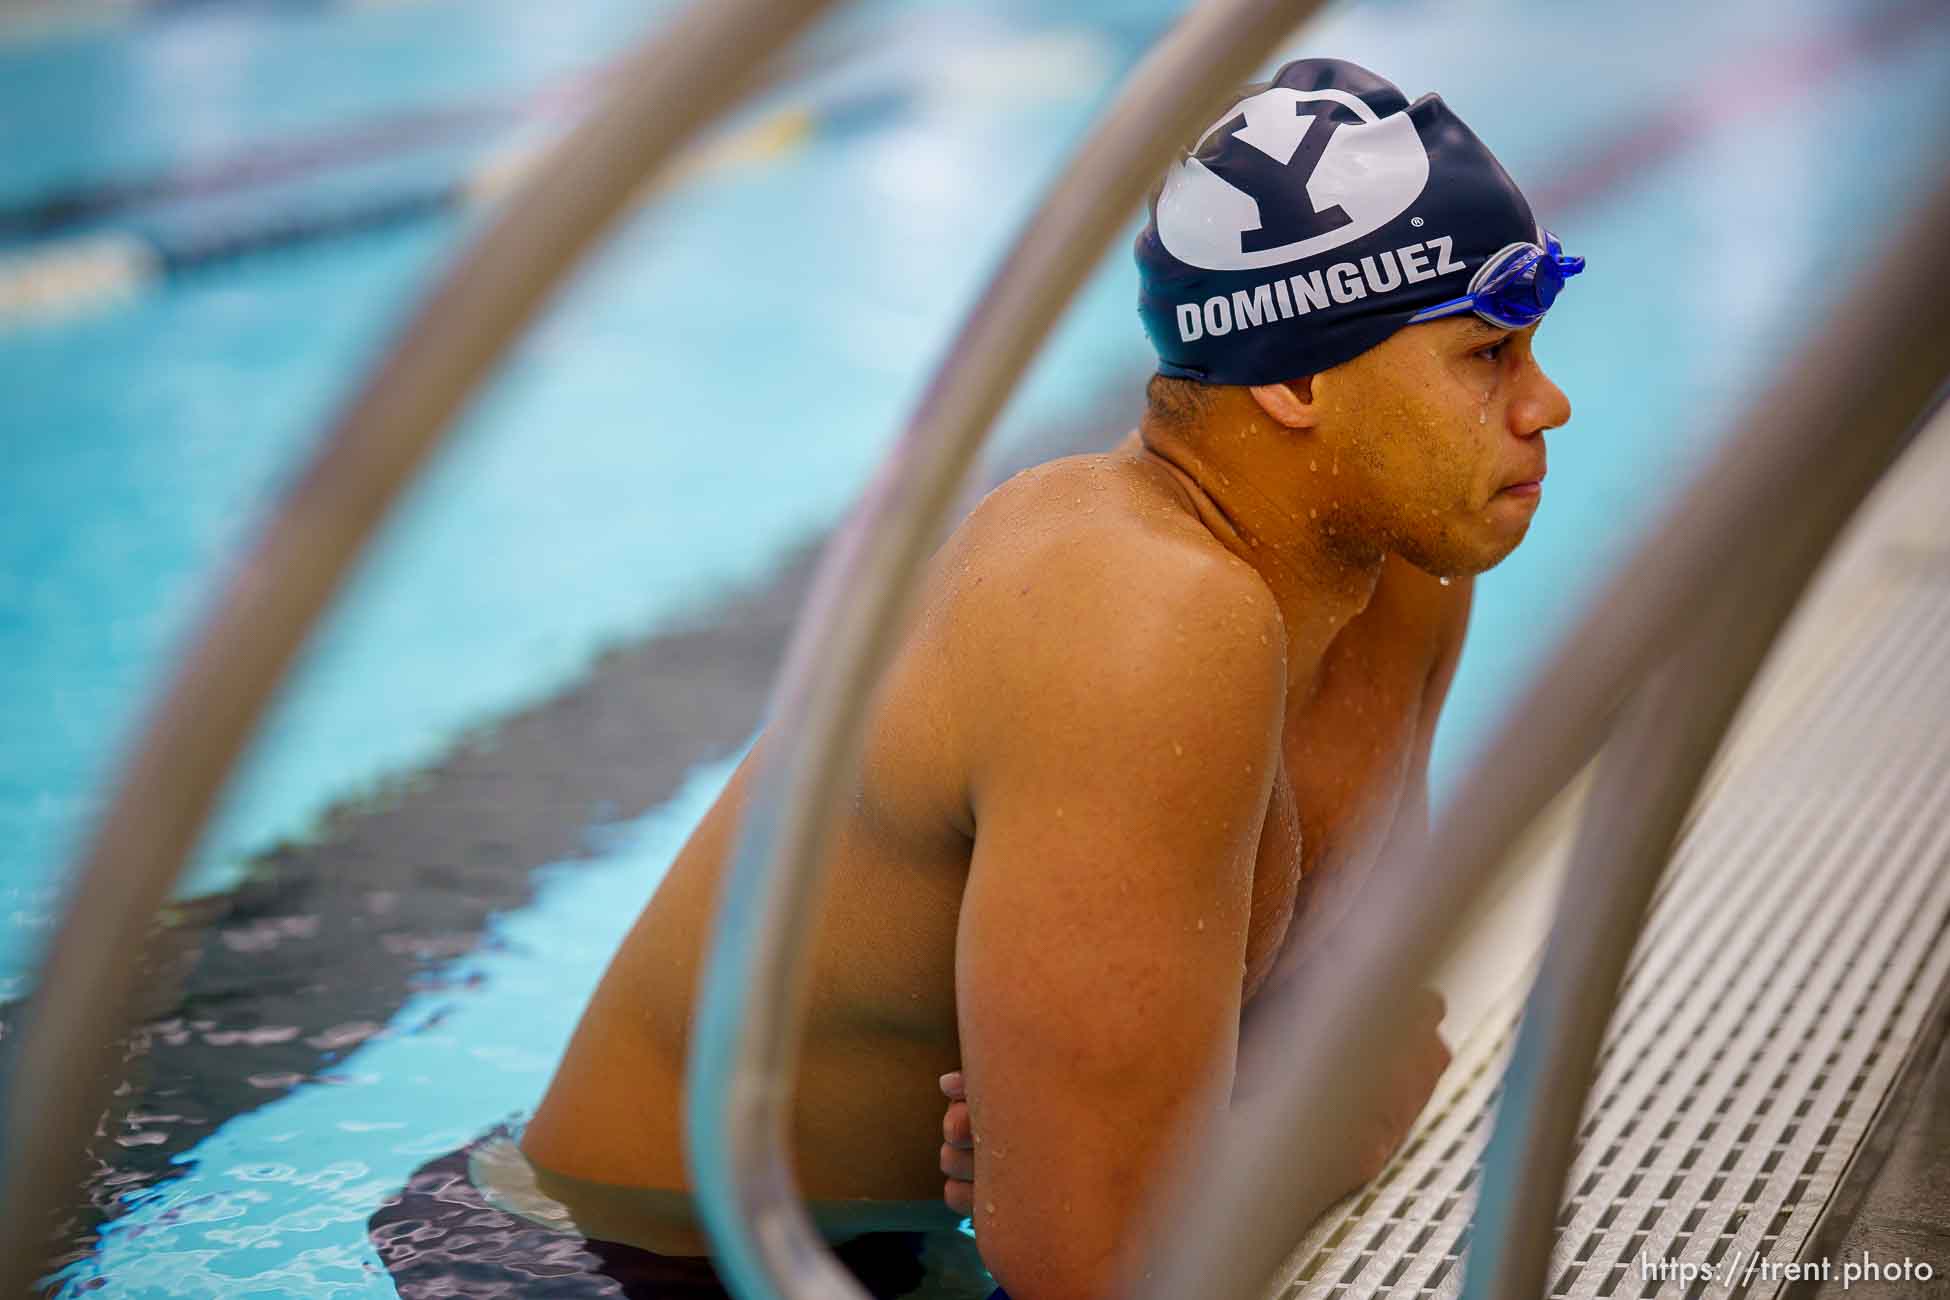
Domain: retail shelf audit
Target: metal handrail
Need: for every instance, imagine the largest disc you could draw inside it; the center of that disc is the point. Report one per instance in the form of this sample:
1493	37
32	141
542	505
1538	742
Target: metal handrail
694	68
1649	777
746	1036
1794	468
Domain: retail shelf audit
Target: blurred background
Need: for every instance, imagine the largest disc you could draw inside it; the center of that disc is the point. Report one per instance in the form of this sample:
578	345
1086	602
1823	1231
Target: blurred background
213	215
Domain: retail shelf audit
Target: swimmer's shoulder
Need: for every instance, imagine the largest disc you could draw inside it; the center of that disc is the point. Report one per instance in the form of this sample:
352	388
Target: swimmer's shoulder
1110	517
1084	567
1065	572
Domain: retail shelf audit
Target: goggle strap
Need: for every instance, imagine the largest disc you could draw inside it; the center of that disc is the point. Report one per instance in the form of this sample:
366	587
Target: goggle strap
1454	307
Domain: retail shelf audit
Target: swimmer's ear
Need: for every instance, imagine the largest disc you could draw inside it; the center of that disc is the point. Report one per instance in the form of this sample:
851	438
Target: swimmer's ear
1290	403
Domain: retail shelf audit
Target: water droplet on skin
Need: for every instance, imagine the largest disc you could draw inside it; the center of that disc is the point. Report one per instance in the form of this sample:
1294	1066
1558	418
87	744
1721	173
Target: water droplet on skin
1314	465
1337	464
1201	924
1443	581
1059	810
991	1207
1312	513
1177	749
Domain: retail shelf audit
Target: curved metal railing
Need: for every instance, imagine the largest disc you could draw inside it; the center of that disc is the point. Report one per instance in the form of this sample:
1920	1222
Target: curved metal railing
1740	541
691	70
747	1032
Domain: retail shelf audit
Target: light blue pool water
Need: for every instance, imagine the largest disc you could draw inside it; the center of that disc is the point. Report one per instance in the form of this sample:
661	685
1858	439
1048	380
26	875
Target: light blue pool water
717	387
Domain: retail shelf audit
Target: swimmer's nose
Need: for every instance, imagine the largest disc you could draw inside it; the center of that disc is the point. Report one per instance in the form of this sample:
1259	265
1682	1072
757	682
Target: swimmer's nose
1541	405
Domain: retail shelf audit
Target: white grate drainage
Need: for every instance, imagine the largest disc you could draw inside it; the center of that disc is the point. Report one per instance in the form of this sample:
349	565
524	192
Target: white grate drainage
1792	956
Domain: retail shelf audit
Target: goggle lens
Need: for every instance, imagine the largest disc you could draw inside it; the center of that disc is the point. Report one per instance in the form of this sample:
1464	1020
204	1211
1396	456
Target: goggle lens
1524	289
1515	287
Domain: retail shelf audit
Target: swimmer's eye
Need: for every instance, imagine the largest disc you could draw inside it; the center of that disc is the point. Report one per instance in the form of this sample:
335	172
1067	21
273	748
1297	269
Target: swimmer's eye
1494	351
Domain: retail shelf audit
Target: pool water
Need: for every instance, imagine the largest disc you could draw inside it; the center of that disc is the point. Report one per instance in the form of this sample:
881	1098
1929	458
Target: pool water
698	407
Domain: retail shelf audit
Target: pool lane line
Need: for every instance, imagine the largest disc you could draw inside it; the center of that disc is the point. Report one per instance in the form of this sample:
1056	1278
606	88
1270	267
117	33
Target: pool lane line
69	276
1769	78
368	142
26	21
338	147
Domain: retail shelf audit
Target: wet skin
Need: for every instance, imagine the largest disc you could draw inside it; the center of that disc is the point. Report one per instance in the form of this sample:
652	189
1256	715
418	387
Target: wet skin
1148	698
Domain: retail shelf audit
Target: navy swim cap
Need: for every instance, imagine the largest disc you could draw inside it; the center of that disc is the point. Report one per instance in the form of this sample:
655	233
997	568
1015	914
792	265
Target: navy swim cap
1314	218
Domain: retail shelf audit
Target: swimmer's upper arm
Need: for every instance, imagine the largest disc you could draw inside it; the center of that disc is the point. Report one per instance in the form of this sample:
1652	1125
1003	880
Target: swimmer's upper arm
1119	779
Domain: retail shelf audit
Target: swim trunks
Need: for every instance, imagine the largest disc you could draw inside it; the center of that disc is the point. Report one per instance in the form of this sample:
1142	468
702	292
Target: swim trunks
441	1237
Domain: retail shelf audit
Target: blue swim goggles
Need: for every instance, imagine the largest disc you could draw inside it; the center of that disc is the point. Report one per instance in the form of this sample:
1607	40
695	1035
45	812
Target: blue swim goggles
1514	287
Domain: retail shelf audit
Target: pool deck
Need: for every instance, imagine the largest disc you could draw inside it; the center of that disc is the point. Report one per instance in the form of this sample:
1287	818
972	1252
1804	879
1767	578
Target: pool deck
1903	1210
1896	1204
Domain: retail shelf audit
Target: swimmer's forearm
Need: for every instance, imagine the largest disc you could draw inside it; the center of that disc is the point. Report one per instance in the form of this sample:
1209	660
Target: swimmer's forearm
1109	1277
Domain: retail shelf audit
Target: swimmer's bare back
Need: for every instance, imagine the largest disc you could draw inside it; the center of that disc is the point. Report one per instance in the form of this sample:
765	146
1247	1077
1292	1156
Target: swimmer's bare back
1095	776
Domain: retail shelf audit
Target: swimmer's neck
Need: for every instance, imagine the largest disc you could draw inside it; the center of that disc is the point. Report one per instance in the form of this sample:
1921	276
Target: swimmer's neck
1260	500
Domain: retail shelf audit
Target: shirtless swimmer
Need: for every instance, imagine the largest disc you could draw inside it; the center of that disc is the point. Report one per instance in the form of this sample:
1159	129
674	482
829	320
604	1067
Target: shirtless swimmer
1150	696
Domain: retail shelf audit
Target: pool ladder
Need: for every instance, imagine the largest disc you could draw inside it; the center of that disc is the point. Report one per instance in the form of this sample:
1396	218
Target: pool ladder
1653	672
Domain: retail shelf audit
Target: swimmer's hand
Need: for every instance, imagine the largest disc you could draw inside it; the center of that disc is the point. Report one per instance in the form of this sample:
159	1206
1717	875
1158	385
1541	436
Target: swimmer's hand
1399	1095
1392	1099
957	1147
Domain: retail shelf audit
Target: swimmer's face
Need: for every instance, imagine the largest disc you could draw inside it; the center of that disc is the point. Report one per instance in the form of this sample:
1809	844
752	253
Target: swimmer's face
1436	424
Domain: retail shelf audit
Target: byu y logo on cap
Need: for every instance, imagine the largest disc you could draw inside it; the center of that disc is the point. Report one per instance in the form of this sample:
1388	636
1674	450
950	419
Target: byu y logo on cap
1247	211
